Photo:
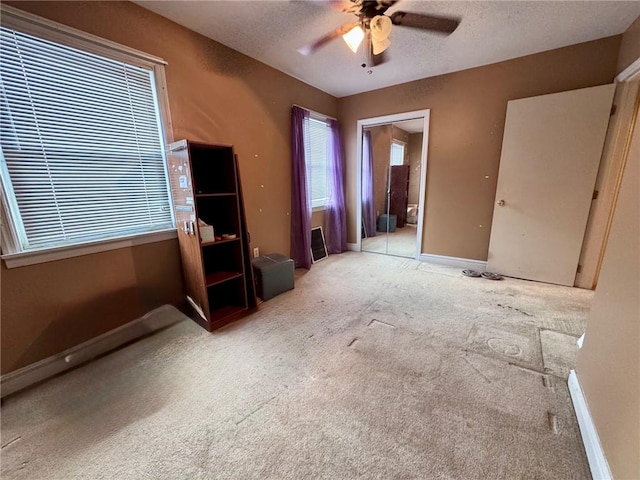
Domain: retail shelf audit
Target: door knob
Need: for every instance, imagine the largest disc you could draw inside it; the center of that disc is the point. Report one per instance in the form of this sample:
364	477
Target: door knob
501	203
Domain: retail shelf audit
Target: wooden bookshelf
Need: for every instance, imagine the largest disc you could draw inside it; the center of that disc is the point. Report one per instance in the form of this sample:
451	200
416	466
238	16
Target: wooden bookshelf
205	186
214	278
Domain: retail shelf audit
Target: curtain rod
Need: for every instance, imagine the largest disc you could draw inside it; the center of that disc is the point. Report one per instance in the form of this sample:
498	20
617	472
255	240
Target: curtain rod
317	113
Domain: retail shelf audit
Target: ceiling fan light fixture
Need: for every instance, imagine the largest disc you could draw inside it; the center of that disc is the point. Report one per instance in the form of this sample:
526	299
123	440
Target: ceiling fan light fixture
379	46
353	38
380	27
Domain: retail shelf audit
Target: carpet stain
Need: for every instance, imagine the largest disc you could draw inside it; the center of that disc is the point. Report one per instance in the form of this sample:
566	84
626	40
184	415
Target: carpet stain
472	330
559	352
508	307
553	422
352	342
256	410
527	369
374	321
569	334
479	372
500	346
10	442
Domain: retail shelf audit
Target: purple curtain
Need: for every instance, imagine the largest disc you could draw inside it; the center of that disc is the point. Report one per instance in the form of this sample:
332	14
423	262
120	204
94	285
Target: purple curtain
368	208
335	219
300	204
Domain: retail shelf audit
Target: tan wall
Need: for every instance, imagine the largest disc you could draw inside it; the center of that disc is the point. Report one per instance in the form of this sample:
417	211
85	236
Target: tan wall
630	46
468	111
414	152
216	95
317	220
609	362
50	307
399	134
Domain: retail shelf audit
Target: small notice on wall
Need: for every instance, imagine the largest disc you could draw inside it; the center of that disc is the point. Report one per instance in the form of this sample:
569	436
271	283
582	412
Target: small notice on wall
182	180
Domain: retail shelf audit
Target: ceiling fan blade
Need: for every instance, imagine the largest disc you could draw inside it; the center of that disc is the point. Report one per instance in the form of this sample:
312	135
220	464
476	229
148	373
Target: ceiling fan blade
338	32
425	22
371	8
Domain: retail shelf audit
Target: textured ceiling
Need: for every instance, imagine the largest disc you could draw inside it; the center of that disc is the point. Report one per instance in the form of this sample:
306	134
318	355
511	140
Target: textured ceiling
411	126
272	31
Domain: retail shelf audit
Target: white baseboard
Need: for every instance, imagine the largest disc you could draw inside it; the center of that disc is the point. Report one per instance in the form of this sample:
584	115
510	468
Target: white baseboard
464	263
353	247
597	459
36	372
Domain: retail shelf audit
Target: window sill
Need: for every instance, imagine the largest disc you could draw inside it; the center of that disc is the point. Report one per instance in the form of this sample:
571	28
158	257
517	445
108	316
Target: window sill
321	208
13	260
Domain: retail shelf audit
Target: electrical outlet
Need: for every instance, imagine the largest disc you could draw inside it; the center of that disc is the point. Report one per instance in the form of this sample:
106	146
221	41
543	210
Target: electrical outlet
256	252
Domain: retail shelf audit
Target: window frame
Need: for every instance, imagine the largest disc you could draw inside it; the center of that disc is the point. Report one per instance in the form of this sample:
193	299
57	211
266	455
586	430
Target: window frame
404	152
40	27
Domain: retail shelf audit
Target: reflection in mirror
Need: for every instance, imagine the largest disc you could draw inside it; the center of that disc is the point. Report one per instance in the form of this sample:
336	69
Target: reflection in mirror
391	160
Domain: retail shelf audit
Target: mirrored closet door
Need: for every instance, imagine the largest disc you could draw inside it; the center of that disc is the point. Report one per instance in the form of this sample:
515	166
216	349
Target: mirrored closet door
391	164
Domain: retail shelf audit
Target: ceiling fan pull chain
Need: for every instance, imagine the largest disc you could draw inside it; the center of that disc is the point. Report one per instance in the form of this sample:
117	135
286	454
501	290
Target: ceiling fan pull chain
366	45
367	54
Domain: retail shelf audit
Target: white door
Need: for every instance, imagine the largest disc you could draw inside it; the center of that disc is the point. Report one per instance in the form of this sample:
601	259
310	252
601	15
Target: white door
550	156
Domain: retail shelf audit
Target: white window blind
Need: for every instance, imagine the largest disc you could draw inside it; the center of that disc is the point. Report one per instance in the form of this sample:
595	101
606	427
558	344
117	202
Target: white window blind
82	150
316	168
397	153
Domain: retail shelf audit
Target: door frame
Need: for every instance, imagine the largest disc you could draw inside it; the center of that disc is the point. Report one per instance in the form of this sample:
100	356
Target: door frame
612	163
383	120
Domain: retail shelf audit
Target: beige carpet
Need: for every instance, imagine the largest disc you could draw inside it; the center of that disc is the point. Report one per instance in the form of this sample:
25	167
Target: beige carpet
401	243
374	367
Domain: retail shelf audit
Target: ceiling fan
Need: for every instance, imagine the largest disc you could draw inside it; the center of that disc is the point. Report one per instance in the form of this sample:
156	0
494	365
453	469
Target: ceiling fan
374	26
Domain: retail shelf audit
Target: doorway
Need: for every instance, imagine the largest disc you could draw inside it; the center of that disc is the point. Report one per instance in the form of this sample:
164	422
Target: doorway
392	153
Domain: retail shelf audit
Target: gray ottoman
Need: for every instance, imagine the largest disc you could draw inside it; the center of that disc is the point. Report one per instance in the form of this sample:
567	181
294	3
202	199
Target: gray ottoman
274	275
387	223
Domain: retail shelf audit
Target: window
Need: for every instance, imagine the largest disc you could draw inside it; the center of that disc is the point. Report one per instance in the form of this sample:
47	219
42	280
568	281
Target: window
397	153
317	137
82	156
